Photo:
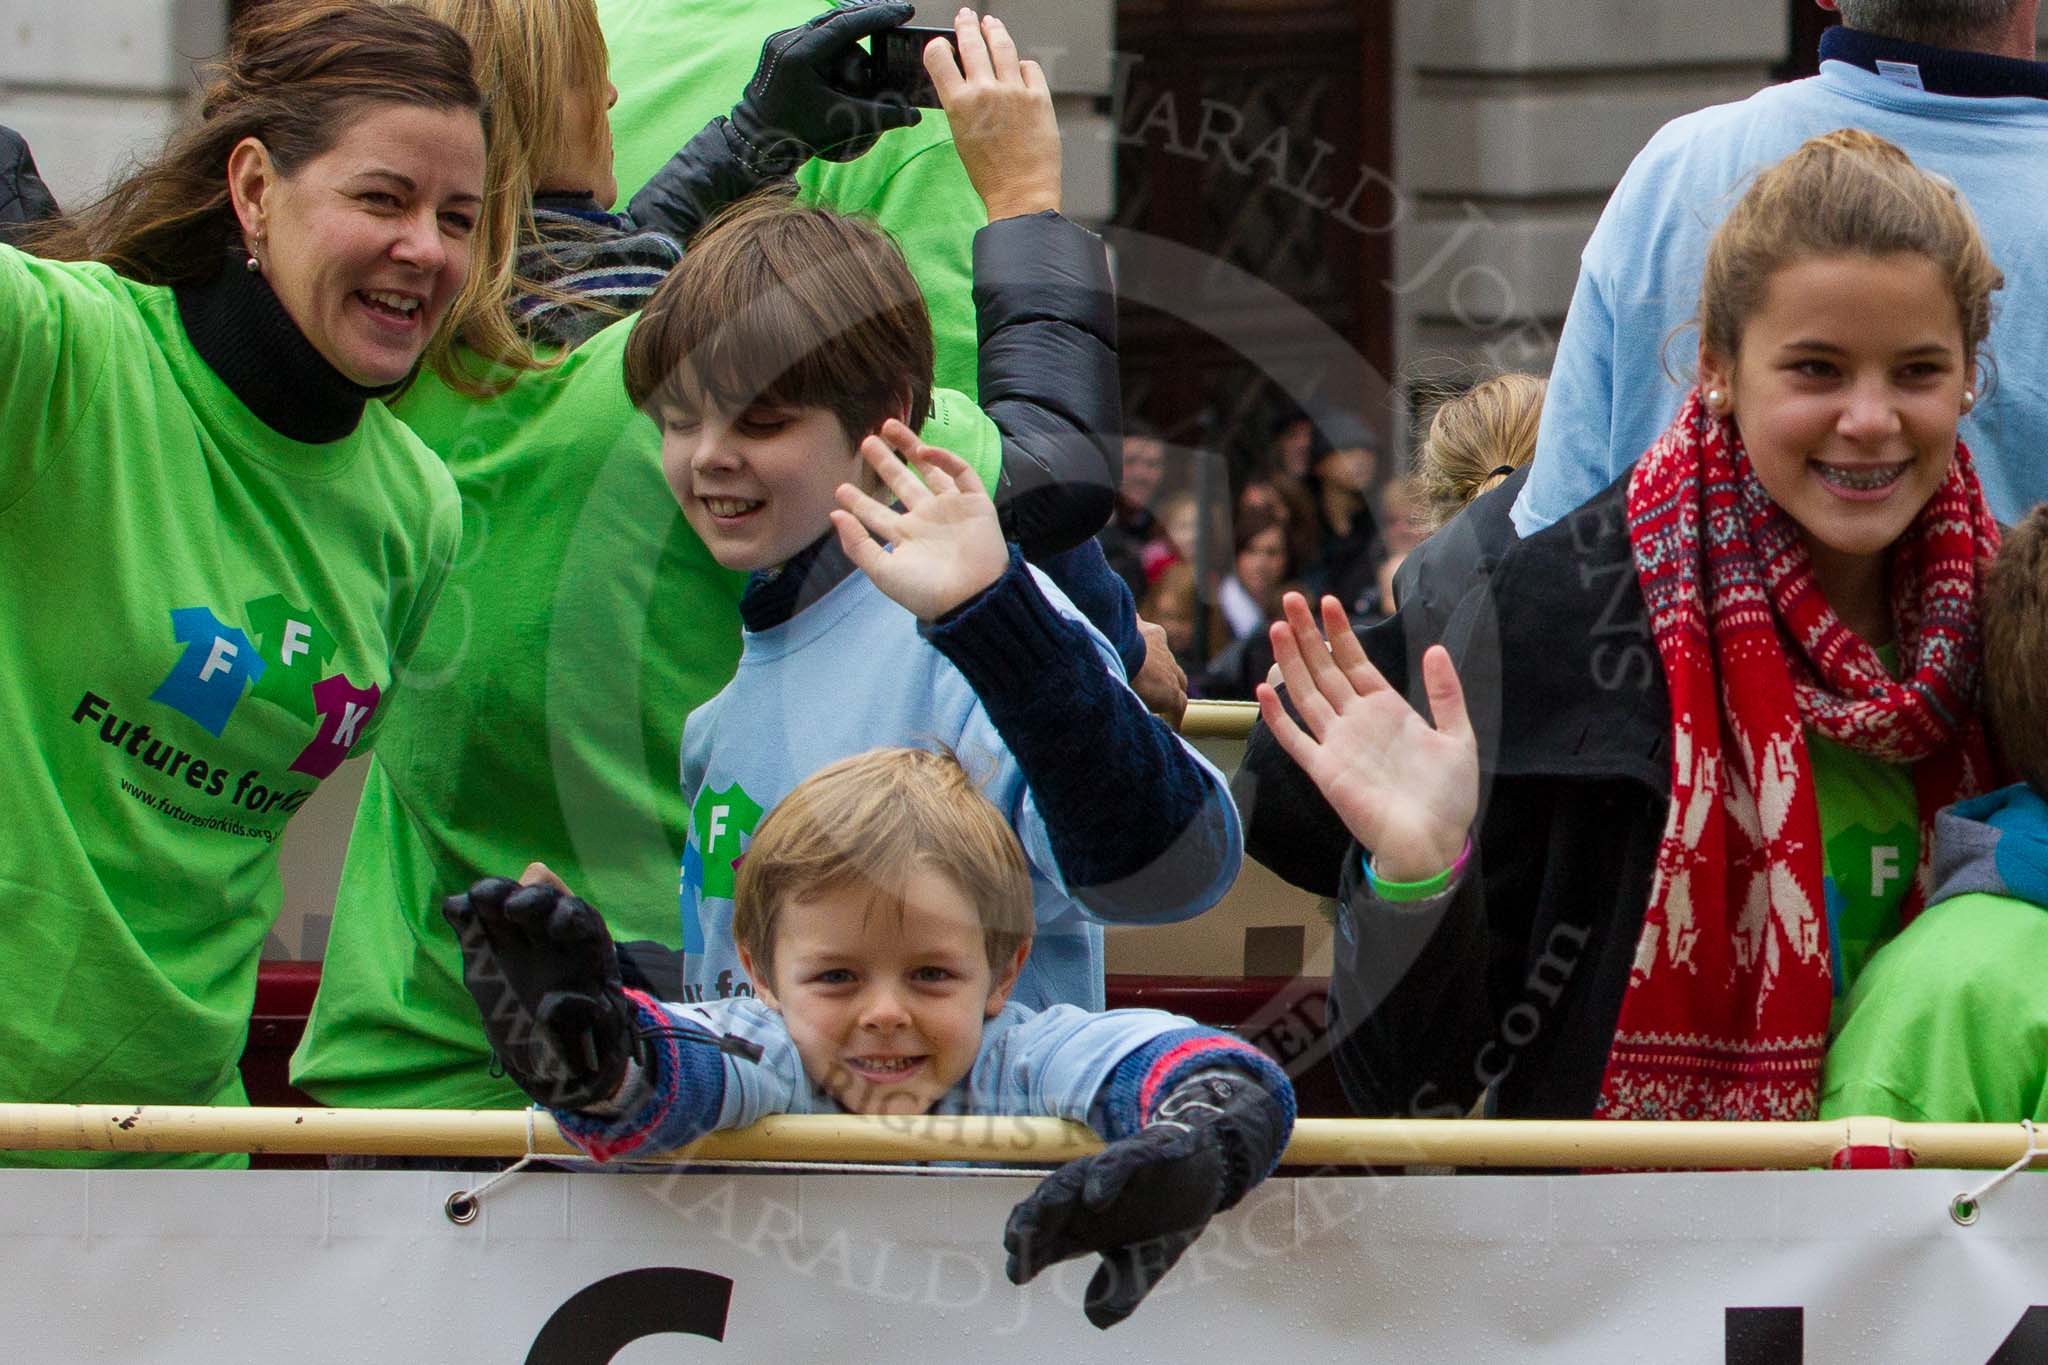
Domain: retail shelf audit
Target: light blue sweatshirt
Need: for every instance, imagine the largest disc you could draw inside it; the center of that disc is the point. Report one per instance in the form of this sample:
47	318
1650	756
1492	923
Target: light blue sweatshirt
852	671
1611	390
1107	1069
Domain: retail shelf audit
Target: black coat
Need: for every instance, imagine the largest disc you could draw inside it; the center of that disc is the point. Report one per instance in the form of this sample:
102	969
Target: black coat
1516	980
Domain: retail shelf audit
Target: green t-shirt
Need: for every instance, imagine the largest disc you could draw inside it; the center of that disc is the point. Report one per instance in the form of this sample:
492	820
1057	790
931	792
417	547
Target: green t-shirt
1870	827
680	63
200	619
542	719
1949	1024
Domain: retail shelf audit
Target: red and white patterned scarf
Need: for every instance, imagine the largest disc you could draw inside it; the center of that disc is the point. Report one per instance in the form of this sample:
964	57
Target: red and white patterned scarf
1726	1015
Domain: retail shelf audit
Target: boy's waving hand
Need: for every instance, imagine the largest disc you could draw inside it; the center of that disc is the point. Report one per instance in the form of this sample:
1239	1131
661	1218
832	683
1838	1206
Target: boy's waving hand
945	544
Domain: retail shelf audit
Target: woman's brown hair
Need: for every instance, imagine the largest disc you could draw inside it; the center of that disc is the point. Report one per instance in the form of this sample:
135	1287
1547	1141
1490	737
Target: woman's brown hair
293	78
1843	193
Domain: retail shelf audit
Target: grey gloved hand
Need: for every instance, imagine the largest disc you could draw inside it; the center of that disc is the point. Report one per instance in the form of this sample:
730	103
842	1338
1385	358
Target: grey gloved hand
804	99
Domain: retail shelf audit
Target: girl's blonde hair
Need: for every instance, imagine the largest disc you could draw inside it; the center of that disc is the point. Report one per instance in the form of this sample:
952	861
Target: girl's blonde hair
534	60
1477	439
1843	193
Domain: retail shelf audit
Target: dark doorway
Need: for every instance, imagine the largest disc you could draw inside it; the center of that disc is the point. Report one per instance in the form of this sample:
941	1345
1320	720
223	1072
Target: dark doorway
1253	208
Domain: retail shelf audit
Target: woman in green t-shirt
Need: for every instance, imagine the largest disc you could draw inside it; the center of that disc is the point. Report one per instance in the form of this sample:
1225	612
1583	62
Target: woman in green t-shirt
221	551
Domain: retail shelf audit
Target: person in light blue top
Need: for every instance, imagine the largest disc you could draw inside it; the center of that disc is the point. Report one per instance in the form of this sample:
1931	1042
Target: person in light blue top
885	915
1950	81
780	358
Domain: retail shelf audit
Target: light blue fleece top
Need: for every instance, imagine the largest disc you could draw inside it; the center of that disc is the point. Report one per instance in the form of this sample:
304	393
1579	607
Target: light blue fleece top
850	672
1107	1069
1639	279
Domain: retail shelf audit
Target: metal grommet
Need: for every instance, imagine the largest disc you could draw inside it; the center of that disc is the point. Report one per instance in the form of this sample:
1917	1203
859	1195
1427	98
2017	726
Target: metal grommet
1964	1210
461	1208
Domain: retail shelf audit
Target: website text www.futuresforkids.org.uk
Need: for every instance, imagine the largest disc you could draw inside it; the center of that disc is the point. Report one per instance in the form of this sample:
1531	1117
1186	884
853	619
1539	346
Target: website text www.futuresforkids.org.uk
248	792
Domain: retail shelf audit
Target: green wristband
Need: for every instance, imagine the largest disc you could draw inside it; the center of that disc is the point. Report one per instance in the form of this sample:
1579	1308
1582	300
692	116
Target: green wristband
1417	891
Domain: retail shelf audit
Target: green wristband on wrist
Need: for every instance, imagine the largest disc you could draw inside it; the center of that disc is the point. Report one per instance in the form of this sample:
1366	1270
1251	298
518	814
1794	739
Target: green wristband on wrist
1417	891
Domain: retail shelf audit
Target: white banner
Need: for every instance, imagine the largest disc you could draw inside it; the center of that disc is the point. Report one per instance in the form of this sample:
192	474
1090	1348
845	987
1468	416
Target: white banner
1762	1269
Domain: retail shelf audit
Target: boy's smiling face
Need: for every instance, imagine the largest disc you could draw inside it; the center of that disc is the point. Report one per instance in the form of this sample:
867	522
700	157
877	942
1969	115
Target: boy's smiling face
885	1003
755	485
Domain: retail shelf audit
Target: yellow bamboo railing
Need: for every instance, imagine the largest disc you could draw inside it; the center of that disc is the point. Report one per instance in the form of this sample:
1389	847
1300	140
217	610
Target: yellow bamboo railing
1318	1143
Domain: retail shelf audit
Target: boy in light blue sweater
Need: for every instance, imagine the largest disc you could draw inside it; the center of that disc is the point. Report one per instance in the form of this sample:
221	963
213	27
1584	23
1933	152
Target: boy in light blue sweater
884	913
782	357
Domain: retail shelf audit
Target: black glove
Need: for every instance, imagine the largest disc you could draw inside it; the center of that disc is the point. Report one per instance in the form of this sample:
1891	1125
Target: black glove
543	971
24	198
803	100
1143	1201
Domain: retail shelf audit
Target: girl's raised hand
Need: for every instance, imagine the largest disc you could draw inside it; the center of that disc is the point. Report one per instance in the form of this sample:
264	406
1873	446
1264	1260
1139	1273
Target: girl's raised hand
1406	789
945	544
1001	113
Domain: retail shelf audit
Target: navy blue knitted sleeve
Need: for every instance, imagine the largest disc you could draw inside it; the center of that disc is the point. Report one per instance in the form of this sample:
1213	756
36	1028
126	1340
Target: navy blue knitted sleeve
1084	575
1137	824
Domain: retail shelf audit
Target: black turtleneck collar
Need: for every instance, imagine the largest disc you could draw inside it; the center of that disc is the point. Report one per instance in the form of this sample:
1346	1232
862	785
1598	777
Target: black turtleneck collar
244	335
773	596
1942	70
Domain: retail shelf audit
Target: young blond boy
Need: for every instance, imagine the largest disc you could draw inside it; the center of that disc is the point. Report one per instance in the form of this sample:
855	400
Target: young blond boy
884	913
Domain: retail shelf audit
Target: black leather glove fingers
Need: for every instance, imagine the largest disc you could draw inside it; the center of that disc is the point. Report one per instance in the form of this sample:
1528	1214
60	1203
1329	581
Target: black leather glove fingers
545	977
1139	1203
1142	1201
802	102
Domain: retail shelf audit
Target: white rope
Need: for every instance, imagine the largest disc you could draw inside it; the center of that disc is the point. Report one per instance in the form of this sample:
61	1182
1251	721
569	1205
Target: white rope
461	1206
1965	1207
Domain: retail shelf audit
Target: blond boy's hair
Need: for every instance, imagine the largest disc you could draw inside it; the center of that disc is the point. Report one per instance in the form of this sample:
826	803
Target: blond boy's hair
868	823
2015	615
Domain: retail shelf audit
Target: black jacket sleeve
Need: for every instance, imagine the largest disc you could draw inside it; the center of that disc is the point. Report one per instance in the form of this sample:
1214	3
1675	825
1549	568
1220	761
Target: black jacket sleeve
693	185
1045	310
1408	999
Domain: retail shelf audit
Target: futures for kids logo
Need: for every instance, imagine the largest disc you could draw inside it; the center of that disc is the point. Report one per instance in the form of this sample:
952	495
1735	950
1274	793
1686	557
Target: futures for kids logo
721	826
282	658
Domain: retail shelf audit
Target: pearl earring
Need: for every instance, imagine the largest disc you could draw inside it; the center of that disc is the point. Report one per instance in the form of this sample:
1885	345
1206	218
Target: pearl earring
1714	399
254	264
1969	399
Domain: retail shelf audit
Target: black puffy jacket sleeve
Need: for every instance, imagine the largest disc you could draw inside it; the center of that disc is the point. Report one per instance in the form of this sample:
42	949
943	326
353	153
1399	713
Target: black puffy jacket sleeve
1045	309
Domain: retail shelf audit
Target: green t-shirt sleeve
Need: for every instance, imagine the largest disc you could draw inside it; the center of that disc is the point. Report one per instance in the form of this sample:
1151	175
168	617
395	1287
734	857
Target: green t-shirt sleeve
956	424
912	183
444	541
54	324
1947	1022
